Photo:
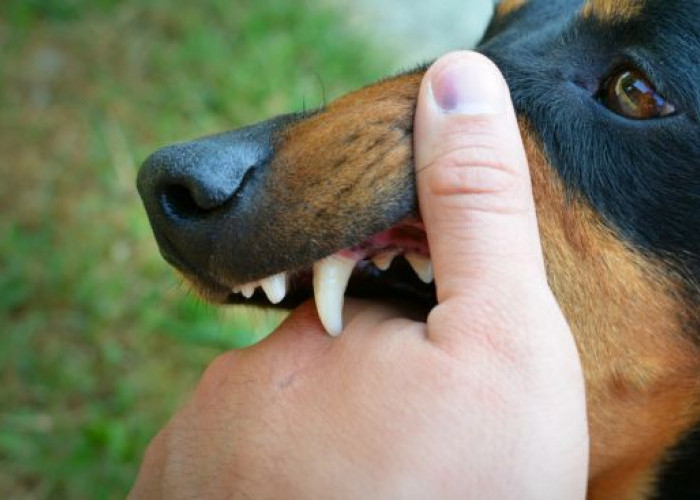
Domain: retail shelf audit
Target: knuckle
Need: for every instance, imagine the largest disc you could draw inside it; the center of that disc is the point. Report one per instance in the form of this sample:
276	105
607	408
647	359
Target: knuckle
473	170
217	373
492	179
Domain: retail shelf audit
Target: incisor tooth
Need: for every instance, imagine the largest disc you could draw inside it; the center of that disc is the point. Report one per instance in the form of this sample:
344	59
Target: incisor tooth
275	287
331	276
423	267
248	290
383	260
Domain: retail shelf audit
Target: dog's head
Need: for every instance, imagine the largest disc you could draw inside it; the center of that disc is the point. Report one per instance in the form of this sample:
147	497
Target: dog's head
608	94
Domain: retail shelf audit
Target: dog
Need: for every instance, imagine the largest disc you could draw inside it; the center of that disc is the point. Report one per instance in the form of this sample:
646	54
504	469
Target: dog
607	96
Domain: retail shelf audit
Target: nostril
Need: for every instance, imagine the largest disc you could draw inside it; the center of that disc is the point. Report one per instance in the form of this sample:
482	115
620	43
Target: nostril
202	179
178	202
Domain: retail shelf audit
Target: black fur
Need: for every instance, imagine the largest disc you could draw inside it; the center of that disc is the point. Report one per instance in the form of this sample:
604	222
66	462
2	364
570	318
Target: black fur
643	177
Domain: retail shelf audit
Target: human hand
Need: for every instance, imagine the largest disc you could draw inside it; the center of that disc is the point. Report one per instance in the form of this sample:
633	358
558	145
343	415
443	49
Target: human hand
485	400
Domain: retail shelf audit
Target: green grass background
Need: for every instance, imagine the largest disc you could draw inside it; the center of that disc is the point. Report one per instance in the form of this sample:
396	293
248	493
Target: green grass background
99	340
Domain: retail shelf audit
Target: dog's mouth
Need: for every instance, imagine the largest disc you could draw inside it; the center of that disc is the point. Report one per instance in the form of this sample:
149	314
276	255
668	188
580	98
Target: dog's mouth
393	264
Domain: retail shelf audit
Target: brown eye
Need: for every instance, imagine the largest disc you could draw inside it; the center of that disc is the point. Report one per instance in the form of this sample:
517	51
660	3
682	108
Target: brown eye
630	93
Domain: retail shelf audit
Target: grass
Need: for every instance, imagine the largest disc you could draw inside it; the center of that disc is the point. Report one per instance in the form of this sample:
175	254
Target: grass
99	342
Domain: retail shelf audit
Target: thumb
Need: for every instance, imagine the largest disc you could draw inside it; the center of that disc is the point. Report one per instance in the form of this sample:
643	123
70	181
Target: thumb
473	180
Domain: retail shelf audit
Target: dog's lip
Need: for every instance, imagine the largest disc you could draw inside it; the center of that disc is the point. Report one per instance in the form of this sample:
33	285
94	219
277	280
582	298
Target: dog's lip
406	237
367	280
399	282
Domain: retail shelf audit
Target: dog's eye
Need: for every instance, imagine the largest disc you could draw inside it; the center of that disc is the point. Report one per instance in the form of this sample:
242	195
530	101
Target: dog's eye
630	93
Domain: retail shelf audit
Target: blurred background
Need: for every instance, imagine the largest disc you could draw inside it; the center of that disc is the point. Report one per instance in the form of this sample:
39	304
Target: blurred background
99	340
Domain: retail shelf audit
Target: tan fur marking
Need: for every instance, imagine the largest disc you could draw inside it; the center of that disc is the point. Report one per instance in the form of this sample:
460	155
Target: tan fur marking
507	6
612	10
641	371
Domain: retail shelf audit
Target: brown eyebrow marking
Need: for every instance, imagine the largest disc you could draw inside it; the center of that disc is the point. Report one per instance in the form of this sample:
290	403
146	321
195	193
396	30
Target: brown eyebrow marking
612	10
507	6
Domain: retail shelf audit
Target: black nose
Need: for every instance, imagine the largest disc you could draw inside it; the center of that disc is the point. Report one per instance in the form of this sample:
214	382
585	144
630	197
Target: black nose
189	180
189	188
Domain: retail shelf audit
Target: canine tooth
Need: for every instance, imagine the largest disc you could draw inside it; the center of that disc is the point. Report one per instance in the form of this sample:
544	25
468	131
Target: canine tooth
383	260
275	287
423	267
331	276
248	290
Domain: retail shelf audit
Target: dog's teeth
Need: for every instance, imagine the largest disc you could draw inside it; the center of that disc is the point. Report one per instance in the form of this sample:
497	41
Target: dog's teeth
275	287
248	290
331	276
383	260
423	267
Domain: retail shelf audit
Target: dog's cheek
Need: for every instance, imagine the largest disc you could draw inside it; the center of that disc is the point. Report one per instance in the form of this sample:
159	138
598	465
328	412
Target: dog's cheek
628	317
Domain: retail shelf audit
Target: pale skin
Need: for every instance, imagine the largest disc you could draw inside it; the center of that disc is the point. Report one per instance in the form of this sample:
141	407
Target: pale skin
484	400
